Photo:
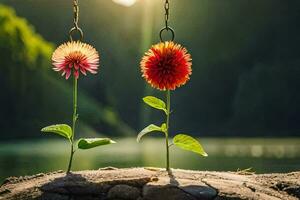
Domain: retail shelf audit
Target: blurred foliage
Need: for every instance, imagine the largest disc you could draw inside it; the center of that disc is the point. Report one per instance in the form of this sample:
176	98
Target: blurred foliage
31	95
246	62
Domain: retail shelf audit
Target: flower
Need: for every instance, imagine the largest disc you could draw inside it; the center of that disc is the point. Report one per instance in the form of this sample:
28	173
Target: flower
166	66
74	57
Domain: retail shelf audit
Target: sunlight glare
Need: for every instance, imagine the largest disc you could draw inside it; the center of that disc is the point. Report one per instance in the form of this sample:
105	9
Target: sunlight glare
125	2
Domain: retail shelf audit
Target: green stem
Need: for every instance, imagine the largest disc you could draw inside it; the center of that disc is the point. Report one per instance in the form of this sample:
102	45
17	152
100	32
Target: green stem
75	116
71	158
167	131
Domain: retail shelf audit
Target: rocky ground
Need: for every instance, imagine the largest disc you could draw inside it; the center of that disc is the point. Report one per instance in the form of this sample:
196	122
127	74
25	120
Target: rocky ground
152	184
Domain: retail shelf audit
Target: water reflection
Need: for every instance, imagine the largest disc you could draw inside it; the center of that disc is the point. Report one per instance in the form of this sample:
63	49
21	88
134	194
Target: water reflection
263	155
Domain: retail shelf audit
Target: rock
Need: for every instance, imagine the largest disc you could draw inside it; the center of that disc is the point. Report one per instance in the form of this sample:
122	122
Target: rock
167	192
124	192
171	188
200	192
152	184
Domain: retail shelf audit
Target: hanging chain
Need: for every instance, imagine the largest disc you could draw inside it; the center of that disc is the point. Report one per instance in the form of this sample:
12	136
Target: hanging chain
76	13
167	27
75	21
167	8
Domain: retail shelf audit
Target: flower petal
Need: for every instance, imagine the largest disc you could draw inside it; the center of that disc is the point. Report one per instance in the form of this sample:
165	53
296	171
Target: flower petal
166	66
75	57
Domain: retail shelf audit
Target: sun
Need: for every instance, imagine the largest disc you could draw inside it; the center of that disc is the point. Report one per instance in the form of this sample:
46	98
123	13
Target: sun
125	2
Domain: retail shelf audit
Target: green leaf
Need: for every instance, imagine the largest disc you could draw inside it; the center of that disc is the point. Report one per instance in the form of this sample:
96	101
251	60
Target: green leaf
88	143
155	103
59	129
164	127
148	129
189	143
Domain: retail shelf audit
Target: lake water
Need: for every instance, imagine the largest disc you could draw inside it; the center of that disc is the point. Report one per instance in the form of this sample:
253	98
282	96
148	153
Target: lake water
263	155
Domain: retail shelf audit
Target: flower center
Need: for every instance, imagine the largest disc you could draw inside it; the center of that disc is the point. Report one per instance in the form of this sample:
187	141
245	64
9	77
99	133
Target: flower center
166	64
75	58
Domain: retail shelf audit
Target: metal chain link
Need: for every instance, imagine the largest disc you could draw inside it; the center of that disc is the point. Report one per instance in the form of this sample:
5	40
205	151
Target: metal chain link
75	21
167	13
76	13
167	27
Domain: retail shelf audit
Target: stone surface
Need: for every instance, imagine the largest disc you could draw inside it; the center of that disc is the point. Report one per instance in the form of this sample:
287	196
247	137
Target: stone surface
152	184
167	192
170	188
125	192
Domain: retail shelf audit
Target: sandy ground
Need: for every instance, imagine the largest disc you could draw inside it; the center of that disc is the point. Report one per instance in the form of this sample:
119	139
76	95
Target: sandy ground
152	184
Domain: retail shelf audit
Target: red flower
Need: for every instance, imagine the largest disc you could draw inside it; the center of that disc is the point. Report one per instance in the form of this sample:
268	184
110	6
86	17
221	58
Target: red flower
166	66
75	57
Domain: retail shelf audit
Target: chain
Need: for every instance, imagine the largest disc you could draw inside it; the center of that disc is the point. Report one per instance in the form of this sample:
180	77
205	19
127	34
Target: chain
76	13
75	21
167	27
167	13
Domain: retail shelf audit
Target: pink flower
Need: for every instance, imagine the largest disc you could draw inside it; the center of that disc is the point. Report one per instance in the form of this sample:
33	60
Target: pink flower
74	57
